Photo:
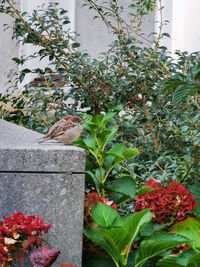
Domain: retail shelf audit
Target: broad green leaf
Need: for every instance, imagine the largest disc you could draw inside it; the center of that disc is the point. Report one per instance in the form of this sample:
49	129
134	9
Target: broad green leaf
118	150
195	190
90	142
106	136
104	215
171	85
110	136
151	228
143	190
118	240
111	240
124	185
190	258
133	225
197	211
169	261
91	177
184	91
80	143
189	228
99	174
108	117
108	161
130	153
156	245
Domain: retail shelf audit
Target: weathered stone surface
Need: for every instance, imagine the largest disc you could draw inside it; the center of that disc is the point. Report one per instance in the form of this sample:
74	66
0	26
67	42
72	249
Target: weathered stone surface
22	144
44	179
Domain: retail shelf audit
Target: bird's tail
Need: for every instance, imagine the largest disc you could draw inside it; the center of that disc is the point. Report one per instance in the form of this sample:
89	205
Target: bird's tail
43	139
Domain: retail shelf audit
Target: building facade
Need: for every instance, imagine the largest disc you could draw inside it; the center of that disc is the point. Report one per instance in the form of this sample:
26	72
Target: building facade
183	27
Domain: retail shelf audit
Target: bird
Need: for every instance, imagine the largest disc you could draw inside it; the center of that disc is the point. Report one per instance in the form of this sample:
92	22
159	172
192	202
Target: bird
66	130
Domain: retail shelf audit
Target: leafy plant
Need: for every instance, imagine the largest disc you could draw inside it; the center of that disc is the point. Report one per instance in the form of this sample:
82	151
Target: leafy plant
184	84
117	234
106	155
130	73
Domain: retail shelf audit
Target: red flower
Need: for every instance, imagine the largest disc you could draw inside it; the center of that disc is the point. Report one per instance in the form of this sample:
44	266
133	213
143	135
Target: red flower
154	184
19	234
44	257
170	204
30	225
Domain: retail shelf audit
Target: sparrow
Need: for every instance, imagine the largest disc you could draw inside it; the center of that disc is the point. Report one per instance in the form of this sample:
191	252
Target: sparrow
66	130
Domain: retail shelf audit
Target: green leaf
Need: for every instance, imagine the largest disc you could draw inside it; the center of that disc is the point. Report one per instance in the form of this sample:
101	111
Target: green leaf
107	117
133	225
156	245
184	91
112	240
169	261
143	190
195	190
91	177
104	215
124	185
171	85
106	136
189	258
108	161
90	142
118	150
189	228
130	153
110	135
74	45
115	240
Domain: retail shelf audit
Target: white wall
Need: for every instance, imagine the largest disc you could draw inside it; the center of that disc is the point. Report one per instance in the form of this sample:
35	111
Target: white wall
94	35
8	50
184	26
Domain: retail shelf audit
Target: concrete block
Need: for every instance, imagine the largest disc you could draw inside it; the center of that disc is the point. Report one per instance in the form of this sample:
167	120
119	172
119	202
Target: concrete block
45	179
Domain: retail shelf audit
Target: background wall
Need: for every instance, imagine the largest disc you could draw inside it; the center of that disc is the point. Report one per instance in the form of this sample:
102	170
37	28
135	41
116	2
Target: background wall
8	50
184	24
94	36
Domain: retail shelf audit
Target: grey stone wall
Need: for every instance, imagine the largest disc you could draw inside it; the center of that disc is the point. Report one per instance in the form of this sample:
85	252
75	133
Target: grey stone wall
45	179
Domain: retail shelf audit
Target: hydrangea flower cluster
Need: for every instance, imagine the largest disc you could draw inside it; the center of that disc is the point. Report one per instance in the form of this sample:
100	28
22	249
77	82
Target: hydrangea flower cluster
170	204
18	235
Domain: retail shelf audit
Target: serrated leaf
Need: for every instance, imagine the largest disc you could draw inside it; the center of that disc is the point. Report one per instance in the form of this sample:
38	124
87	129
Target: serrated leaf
156	245
171	85
189	228
118	150
184	91
130	153
115	240
90	142
104	215
124	185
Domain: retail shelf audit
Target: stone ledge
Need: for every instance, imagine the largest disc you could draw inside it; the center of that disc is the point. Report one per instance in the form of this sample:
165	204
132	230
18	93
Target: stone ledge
20	150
